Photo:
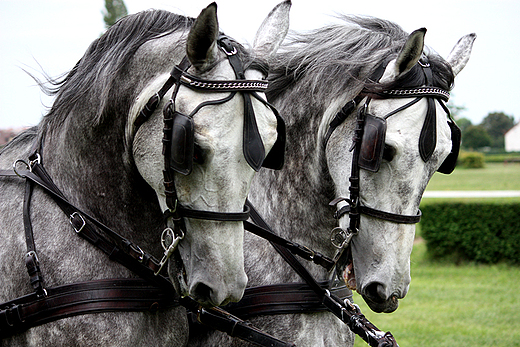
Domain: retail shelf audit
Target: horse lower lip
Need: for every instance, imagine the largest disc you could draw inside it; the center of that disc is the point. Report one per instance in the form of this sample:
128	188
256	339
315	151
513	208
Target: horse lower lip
387	306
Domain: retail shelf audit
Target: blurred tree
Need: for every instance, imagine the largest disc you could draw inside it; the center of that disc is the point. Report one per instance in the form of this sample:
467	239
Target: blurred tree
496	125
115	10
475	137
455	110
463	124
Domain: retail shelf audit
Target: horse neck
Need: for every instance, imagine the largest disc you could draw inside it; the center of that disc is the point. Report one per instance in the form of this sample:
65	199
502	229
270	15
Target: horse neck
294	201
93	169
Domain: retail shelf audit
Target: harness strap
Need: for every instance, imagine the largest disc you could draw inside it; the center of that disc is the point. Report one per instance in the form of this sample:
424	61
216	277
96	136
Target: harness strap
391	217
302	251
108	295
209	215
221	320
150	293
283	298
120	250
32	262
345	310
154	101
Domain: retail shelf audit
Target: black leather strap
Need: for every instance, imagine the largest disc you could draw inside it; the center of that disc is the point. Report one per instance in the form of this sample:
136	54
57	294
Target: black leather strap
388	216
283	298
343	309
112	295
302	251
154	101
120	249
216	216
391	217
221	320
253	146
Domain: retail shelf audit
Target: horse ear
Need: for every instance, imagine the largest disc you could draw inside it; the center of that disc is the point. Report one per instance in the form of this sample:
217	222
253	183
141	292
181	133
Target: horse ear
407	58
272	31
201	46
459	55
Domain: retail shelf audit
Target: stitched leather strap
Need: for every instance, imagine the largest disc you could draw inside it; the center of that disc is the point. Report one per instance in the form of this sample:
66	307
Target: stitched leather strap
347	312
284	298
111	295
120	249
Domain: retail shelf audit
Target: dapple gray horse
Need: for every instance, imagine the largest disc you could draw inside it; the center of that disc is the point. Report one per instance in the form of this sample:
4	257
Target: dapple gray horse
314	76
106	166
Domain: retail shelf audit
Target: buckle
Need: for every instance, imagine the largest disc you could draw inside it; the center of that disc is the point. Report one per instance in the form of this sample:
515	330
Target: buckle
137	249
73	219
340	237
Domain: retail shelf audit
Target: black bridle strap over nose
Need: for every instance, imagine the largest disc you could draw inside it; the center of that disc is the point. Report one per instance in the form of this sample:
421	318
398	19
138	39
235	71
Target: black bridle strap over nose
371	212
209	215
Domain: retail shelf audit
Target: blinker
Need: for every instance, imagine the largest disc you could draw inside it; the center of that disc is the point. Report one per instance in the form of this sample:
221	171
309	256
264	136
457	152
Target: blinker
450	162
182	140
373	143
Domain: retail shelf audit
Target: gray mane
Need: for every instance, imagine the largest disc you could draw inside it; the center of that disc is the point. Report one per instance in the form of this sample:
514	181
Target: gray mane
106	57
342	56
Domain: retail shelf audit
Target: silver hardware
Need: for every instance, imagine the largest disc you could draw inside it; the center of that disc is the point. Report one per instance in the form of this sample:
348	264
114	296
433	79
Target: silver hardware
340	237
33	253
172	211
167	236
423	64
139	250
35	161
185	79
233	52
74	215
23	162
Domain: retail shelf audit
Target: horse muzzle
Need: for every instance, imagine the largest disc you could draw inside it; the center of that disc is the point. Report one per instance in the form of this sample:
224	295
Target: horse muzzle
376	297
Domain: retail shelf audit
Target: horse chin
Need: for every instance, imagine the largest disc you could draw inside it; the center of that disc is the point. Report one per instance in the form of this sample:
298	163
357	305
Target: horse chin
387	306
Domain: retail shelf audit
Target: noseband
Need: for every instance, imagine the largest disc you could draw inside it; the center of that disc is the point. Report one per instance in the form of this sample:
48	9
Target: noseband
178	140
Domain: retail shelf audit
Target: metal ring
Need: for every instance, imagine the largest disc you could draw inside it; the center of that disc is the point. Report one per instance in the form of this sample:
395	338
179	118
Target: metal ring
35	161
20	161
167	232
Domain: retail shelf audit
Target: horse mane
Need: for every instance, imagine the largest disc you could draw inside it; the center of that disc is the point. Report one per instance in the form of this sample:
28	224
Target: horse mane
342	56
105	58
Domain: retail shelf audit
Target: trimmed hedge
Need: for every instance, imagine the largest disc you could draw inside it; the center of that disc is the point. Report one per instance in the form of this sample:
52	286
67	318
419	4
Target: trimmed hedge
480	232
471	160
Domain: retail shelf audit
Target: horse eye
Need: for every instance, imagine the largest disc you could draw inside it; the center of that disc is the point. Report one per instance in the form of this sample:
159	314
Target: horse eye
198	156
388	153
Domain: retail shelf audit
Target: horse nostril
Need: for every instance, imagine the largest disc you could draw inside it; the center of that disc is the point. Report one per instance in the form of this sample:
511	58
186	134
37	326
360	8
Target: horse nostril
376	292
202	292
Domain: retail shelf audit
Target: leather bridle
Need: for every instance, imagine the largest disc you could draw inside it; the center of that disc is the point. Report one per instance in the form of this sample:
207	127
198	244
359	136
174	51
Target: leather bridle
340	238
173	119
153	291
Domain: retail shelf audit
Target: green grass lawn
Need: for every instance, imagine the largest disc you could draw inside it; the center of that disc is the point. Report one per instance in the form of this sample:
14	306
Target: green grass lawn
449	305
495	176
458	305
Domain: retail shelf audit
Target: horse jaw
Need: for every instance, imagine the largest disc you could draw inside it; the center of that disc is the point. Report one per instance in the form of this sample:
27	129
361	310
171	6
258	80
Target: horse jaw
382	269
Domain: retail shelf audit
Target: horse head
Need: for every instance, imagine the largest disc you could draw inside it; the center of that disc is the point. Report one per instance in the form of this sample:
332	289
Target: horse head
407	136
218	137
